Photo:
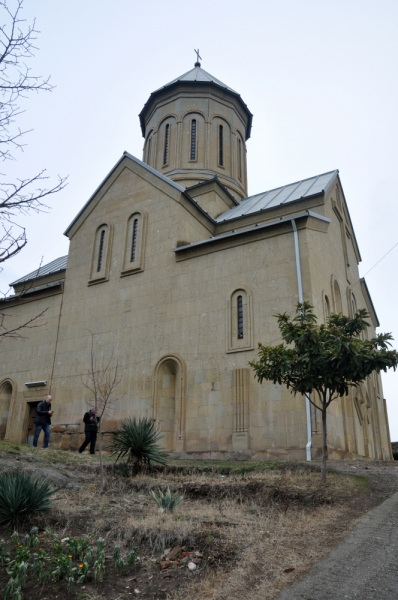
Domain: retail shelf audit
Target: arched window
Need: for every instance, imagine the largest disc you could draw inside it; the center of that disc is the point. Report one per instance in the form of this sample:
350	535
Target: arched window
353	305
101	250
240	317
338	307
149	151
166	144
5	403
134	240
147	157
100	258
326	307
240	325
134	246
193	140
239	158
221	145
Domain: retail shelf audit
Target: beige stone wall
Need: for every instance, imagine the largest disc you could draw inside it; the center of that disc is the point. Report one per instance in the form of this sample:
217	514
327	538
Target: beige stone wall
168	326
363	431
29	358
210	107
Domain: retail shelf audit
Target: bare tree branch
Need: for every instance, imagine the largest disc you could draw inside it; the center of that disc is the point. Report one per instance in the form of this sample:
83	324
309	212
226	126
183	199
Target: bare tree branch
102	380
15	332
17	46
17	39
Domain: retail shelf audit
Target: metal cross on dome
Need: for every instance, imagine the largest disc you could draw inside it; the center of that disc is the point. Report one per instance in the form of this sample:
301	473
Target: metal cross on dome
197	64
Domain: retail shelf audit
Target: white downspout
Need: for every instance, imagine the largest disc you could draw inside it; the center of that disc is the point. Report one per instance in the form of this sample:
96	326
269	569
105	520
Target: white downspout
301	299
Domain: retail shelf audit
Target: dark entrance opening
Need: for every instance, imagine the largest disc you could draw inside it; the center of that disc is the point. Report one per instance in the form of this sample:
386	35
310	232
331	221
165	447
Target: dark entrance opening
32	406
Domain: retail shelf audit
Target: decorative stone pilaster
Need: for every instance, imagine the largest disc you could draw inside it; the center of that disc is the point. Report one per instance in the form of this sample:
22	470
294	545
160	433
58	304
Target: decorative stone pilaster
240	382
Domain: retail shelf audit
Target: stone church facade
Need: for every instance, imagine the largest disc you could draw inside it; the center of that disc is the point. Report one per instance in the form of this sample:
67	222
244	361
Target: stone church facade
175	274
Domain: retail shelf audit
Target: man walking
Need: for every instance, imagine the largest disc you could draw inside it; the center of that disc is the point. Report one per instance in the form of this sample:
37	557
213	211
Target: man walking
42	421
90	429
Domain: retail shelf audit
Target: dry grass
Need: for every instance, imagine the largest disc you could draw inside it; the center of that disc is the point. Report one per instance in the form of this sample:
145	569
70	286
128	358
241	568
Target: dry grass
251	525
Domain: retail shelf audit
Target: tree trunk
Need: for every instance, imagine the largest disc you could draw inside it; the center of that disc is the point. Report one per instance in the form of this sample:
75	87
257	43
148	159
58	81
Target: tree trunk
324	445
101	490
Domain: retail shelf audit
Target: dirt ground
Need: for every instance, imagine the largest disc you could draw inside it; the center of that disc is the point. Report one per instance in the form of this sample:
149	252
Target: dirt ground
249	529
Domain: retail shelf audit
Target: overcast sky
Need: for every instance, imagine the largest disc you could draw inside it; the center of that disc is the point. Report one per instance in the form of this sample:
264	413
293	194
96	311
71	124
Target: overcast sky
320	78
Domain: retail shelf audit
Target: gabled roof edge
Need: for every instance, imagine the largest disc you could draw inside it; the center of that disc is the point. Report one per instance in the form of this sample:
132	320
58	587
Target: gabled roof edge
369	302
349	218
138	162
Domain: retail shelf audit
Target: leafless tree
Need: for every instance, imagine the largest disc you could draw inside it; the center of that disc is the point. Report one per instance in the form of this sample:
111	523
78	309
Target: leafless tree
17	46
102	379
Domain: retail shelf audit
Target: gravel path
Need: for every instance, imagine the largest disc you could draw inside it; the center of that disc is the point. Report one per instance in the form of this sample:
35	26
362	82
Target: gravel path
365	565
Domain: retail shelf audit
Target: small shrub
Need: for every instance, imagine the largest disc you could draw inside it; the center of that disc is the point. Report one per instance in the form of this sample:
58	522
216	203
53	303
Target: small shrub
138	440
22	496
132	557
121	469
395	455
166	501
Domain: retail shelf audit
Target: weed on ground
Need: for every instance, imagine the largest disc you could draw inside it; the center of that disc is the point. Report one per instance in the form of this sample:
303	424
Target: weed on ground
240	527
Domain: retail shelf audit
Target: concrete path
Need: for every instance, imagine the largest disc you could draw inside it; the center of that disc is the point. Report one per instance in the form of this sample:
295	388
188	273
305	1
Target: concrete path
364	566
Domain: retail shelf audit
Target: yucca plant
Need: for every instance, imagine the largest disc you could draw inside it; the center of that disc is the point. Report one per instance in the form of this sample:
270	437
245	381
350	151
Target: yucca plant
138	440
22	496
166	501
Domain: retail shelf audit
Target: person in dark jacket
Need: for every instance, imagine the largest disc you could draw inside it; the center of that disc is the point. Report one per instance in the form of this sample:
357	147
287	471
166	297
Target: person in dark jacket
42	421
90	429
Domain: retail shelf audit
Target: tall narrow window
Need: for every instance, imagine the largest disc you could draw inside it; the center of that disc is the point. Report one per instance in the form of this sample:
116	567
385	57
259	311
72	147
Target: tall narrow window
166	145
134	240
354	305
220	145
193	140
148	154
134	244
240	317
338	307
327	308
240	321
101	251
239	159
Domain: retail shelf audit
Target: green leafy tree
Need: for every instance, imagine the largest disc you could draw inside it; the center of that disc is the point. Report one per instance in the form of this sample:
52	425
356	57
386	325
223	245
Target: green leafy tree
327	359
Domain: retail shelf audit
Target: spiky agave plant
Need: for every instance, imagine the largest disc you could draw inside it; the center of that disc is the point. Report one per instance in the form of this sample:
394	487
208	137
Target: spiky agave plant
138	440
166	501
22	496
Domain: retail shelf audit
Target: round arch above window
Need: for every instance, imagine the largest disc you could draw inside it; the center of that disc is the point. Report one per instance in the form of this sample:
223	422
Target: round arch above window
7	400
149	149
193	140
325	306
240	320
134	245
101	254
336	295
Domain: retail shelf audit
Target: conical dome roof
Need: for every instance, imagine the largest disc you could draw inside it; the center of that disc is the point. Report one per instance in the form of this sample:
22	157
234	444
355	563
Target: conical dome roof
201	77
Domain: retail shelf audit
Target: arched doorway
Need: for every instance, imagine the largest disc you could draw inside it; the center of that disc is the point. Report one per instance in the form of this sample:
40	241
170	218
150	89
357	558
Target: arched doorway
168	402
5	403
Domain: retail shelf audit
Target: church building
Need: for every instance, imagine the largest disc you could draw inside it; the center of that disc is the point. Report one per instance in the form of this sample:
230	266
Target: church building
174	274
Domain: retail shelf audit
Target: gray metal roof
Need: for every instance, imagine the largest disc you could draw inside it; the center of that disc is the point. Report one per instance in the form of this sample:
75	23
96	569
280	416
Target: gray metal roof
197	74
257	227
59	264
281	195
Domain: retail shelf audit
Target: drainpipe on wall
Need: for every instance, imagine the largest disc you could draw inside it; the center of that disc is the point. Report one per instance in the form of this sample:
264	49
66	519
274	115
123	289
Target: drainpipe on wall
301	299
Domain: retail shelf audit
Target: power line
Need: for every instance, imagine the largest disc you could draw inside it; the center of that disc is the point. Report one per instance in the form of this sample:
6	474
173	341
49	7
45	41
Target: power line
396	244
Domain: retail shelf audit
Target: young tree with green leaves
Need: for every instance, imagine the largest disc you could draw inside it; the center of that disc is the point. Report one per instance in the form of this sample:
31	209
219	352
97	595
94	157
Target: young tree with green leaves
327	359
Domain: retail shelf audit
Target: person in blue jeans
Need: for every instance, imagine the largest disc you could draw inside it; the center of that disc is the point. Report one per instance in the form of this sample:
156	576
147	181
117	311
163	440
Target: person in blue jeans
42	421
